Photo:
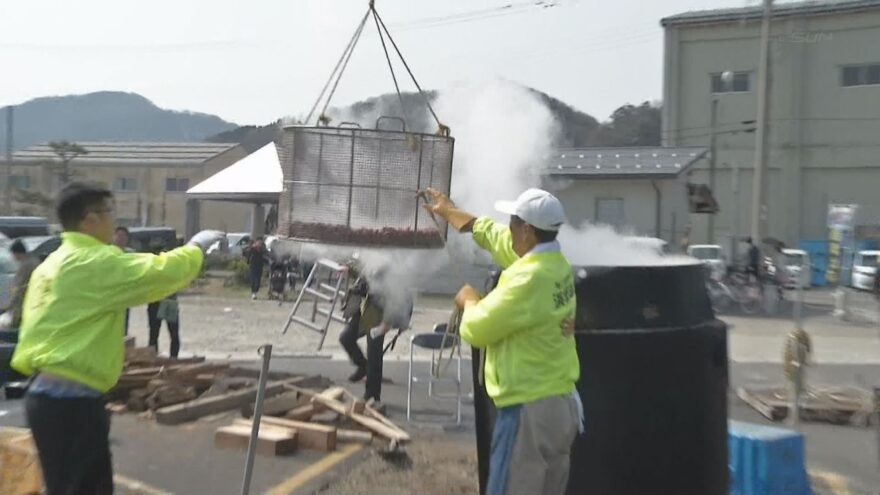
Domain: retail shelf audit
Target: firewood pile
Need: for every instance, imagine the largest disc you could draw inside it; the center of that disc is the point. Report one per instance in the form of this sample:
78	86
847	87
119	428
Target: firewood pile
340	234
308	418
178	390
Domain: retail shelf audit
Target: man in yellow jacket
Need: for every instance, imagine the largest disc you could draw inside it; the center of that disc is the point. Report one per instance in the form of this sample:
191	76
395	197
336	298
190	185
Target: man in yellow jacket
71	339
523	328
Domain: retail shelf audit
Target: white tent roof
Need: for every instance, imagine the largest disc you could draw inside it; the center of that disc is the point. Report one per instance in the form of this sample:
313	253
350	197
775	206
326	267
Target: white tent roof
255	178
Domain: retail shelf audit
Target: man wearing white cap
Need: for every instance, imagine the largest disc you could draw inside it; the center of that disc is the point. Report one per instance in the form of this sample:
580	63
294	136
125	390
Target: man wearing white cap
531	362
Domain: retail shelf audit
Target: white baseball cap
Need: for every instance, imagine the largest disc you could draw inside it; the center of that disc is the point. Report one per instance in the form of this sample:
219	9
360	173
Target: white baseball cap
537	208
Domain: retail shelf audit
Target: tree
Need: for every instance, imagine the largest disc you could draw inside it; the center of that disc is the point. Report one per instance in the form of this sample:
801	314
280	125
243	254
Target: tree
631	125
66	152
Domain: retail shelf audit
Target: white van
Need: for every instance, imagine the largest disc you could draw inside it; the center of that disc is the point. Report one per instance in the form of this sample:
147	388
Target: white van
798	269
864	269
710	255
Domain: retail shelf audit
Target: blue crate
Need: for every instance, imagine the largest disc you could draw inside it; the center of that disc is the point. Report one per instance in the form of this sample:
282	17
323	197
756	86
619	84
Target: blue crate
766	460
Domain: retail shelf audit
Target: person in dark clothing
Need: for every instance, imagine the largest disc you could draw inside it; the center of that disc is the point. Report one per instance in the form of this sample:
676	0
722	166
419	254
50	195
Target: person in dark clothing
166	310
372	313
256	256
754	266
120	240
26	266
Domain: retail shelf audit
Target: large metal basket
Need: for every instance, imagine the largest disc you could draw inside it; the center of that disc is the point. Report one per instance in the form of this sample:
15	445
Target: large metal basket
348	185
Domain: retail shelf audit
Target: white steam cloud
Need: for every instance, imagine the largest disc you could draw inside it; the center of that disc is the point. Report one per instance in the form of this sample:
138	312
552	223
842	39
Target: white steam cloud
503	133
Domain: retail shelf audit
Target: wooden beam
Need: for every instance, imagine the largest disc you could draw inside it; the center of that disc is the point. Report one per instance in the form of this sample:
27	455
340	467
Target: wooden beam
275	406
270	441
345	435
198	408
390	432
763	408
310	435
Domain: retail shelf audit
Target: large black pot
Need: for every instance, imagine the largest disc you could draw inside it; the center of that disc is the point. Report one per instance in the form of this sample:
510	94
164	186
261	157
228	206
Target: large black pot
653	382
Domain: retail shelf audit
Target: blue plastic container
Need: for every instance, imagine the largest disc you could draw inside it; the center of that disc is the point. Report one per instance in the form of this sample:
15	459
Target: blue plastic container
818	251
765	460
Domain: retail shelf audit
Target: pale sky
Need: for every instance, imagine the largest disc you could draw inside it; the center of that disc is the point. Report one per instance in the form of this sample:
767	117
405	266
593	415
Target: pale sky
251	62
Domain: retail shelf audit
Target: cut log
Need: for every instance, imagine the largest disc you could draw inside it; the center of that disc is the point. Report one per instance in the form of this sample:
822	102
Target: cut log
198	408
19	464
270	441
310	435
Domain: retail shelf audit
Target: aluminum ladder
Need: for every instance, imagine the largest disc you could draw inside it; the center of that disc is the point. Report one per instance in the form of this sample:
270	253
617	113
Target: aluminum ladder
322	292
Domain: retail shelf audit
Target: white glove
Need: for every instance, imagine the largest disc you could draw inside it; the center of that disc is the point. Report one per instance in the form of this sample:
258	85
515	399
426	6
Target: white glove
206	238
6	321
378	331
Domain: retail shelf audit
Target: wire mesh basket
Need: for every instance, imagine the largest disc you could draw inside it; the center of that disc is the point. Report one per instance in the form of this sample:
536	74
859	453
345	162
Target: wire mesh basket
348	185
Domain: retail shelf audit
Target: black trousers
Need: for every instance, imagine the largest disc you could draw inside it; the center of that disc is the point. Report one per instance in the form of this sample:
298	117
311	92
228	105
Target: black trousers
372	362
73	442
156	325
256	276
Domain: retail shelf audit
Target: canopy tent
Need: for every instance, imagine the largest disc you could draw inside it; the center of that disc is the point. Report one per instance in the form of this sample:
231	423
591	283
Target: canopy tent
255	178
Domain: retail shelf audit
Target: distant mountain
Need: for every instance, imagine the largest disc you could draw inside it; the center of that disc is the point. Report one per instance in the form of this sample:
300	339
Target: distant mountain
577	128
105	116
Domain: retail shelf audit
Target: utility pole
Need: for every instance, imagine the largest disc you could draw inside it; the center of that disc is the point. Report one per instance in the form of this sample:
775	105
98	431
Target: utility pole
759	189
7	189
713	119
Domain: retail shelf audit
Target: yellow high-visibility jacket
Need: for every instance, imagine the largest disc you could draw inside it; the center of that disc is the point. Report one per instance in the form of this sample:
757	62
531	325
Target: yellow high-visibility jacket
528	357
74	309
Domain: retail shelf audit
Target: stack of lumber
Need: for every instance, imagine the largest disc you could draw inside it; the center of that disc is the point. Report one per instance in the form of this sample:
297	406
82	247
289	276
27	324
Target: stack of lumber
835	405
307	418
179	390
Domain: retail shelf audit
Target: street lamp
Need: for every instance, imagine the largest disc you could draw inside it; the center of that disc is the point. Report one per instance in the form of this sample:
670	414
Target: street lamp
726	81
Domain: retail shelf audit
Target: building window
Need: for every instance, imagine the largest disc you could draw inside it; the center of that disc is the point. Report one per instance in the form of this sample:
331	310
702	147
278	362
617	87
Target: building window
20	181
125	184
609	211
860	75
173	184
741	83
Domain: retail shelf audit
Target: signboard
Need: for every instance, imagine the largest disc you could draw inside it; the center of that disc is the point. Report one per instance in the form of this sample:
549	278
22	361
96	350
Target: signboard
841	240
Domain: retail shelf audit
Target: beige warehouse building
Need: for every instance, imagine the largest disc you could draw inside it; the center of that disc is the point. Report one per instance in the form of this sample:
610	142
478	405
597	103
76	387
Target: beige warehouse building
824	111
149	181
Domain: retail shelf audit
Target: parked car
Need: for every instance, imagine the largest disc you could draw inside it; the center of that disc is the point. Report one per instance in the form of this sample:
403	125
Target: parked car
864	269
712	256
41	246
235	244
148	239
15	227
798	269
8	267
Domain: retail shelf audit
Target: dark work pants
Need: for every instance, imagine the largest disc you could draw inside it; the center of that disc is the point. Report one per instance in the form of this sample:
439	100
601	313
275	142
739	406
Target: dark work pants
372	362
156	326
72	438
256	275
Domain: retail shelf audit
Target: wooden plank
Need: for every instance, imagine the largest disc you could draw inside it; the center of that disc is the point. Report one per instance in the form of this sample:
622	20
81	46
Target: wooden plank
355	436
198	408
270	441
303	413
372	412
195	369
275	406
378	427
310	435
757	404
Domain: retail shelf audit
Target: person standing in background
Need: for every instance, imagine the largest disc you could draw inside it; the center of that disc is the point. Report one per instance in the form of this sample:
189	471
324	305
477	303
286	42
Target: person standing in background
256	256
120	240
10	322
